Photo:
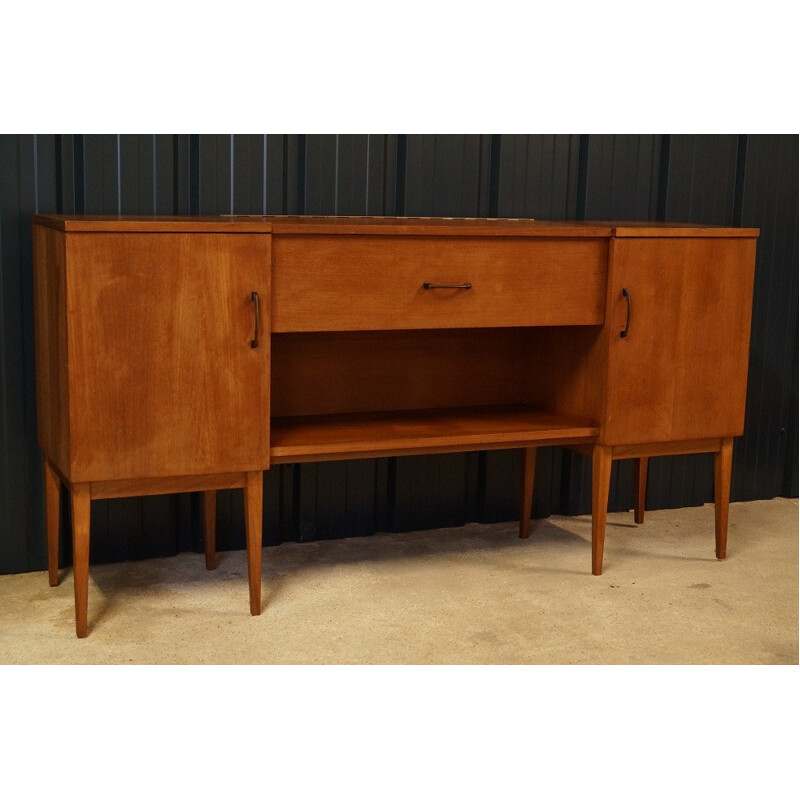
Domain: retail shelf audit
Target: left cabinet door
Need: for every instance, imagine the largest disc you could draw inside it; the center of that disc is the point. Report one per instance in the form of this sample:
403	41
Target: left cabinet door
165	378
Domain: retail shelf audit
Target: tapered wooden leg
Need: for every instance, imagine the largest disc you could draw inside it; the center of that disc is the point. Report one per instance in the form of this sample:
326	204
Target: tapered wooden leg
253	504
601	480
723	464
639	488
526	499
210	528
52	512
81	507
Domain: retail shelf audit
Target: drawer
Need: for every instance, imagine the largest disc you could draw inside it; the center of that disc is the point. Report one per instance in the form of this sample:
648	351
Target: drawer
364	282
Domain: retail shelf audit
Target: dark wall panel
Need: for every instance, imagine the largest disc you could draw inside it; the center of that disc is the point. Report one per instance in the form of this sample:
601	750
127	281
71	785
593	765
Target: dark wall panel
769	201
719	179
443	175
27	184
621	174
537	176
701	179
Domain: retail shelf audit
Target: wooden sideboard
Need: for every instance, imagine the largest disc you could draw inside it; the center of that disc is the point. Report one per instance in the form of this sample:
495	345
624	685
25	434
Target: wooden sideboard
179	354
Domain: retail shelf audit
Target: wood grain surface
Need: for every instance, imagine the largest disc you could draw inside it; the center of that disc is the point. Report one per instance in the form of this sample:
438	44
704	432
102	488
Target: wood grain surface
374	283
50	337
426	430
163	380
681	372
339	372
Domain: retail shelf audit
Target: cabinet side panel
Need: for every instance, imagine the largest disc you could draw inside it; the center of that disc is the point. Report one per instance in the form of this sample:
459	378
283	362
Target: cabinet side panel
566	369
50	330
714	339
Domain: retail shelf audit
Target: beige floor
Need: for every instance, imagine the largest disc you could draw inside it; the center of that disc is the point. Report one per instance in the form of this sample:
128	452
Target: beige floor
471	595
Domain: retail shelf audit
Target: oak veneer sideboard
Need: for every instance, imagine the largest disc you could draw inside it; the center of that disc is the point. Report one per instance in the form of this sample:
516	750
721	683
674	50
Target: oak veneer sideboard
192	353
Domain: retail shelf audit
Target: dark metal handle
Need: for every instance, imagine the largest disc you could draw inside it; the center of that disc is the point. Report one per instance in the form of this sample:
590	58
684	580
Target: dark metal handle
257	314
446	285
627	295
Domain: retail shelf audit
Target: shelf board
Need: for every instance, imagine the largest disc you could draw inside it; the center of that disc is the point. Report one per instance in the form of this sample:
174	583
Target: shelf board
333	437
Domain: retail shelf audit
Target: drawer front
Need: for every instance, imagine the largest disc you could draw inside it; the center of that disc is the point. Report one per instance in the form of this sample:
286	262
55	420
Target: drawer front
341	282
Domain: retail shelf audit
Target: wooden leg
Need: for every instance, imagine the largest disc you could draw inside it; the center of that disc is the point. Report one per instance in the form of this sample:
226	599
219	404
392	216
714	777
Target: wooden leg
639	488
253	505
210	528
52	512
723	464
526	500
601	481
81	507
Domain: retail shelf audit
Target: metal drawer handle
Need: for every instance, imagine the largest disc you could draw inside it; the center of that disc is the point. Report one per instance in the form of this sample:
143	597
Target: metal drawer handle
627	295
257	314
446	286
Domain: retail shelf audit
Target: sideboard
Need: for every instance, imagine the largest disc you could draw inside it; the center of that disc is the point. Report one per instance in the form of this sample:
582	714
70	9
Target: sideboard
190	354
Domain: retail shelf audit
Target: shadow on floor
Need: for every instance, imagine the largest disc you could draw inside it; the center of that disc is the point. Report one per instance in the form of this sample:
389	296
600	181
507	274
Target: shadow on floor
115	583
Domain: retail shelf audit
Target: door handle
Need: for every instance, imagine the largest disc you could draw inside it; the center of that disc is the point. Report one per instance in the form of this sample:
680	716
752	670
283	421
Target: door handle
623	333
257	315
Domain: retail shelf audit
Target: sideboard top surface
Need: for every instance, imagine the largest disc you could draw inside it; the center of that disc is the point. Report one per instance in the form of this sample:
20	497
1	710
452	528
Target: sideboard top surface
416	226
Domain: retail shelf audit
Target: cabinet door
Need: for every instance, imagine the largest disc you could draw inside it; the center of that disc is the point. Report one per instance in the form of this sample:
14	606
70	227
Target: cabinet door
163	380
681	371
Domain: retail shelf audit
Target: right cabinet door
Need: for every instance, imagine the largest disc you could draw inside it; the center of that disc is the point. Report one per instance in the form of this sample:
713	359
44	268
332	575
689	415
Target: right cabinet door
680	373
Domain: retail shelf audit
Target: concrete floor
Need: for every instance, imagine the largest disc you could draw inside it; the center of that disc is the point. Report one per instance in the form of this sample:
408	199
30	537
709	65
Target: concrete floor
471	595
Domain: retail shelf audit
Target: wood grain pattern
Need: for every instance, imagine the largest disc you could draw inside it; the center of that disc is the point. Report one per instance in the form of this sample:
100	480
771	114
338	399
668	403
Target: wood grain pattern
52	514
681	372
526	491
163	380
565	370
397	370
363	283
253	511
677	229
136	487
334	436
436	226
50	336
723	466
714	338
111	223
678	448
601	481
81	514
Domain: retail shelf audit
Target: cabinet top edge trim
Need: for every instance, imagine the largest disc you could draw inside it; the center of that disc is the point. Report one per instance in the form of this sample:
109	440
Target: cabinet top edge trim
476	226
669	230
143	224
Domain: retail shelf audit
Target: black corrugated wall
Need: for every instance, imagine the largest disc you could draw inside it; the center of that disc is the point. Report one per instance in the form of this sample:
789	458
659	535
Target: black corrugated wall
722	179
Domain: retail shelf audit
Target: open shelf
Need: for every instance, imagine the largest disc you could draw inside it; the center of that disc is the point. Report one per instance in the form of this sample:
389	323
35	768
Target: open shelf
333	437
